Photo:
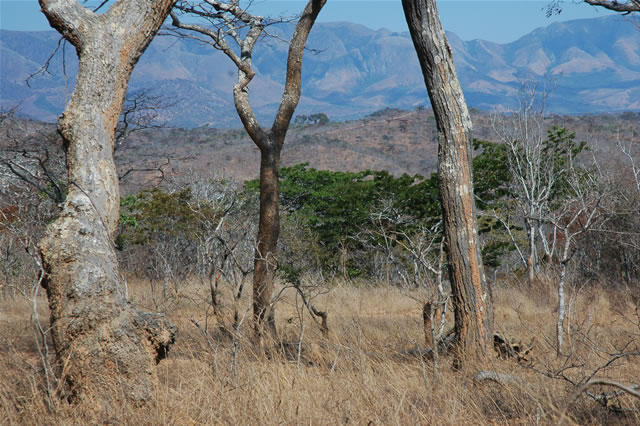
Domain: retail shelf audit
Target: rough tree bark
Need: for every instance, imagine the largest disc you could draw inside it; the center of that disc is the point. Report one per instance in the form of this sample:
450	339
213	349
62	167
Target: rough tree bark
471	294
101	341
269	142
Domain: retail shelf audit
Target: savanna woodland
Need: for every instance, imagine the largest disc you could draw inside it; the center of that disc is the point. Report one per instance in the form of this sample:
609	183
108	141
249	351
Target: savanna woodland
500	287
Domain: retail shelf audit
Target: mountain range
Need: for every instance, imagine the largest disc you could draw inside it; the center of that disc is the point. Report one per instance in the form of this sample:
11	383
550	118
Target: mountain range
349	71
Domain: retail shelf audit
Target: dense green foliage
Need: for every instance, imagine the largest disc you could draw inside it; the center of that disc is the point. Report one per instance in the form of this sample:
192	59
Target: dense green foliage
154	212
339	207
344	221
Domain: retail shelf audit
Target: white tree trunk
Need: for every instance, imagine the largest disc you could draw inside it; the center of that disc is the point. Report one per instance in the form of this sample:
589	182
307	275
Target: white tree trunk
102	341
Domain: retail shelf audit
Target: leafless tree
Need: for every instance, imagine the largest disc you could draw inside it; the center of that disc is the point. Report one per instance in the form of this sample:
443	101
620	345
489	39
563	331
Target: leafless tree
416	255
233	26
33	153
534	173
84	288
30	159
626	146
579	213
557	198
471	294
30	164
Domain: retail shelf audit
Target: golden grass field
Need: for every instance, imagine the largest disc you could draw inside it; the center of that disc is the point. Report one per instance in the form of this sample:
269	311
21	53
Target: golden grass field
365	373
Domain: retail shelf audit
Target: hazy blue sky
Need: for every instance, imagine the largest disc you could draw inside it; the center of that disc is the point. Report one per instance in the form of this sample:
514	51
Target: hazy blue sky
498	20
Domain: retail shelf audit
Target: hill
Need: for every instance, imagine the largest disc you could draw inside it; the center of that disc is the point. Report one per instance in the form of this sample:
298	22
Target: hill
395	140
350	71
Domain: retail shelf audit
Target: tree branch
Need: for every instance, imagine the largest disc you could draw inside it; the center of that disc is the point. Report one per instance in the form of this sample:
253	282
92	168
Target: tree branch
624	7
293	85
70	18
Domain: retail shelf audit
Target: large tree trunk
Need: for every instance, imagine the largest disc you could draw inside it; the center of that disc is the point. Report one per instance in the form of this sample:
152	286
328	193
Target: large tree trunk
471	294
268	232
102	342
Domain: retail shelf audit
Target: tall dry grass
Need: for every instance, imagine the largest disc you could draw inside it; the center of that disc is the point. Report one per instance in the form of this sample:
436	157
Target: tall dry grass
365	372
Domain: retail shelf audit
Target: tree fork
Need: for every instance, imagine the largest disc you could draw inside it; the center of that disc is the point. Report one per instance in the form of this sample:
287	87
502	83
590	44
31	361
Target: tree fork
269	142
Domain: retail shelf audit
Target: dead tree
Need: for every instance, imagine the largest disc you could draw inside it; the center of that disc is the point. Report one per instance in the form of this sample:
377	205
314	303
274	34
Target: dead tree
471	294
245	29
535	173
100	339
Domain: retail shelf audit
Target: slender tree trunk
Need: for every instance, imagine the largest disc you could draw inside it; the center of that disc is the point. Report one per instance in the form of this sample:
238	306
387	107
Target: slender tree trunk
270	143
561	295
532	261
107	349
471	294
265	262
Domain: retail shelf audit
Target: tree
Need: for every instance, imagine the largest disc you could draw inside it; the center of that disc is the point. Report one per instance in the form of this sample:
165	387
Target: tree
337	209
537	160
245	30
471	293
100	339
313	119
580	211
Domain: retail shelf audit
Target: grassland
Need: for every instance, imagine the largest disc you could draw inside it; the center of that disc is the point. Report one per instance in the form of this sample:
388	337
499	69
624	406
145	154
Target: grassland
366	371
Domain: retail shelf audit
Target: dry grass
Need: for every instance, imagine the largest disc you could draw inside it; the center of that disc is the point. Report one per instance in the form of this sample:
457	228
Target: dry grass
364	373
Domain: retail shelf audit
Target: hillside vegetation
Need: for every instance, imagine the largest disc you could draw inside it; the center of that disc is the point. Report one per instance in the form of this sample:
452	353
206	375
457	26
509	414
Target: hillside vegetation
398	141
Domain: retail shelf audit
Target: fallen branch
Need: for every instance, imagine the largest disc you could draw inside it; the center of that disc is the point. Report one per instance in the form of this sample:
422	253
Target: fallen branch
320	314
631	390
492	376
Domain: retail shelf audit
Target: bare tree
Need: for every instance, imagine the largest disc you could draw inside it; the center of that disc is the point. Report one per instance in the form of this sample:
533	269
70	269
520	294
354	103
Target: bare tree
33	153
579	213
471	293
231	21
533	168
100	339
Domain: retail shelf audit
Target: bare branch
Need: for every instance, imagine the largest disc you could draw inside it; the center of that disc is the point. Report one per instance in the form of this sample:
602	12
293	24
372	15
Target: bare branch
45	67
149	169
492	376
293	85
139	112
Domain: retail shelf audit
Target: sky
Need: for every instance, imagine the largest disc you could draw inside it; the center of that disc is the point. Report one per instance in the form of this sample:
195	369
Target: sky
500	21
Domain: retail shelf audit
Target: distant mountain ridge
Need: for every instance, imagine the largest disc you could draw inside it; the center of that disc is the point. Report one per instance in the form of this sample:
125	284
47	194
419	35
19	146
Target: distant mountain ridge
349	71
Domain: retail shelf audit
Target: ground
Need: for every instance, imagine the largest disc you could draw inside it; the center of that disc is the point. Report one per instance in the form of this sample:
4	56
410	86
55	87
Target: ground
366	372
